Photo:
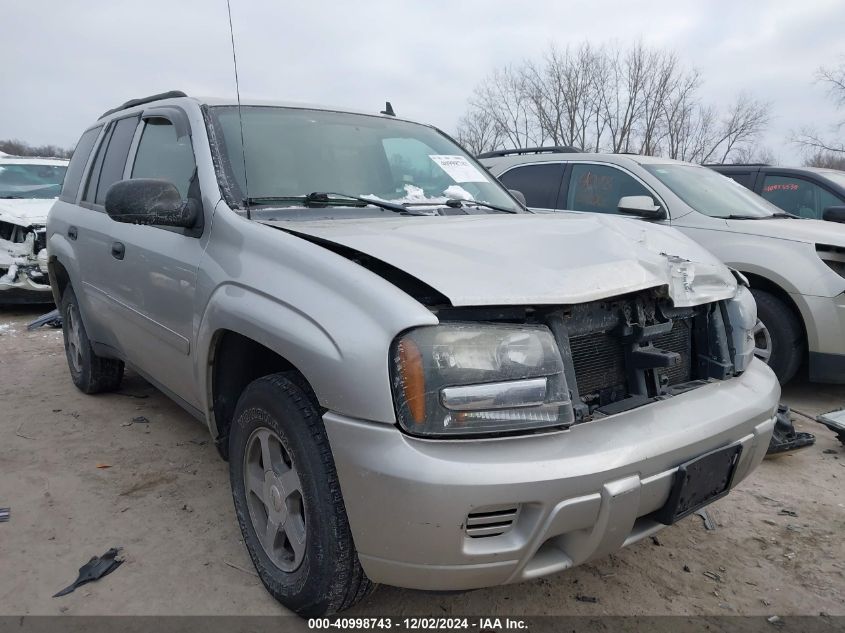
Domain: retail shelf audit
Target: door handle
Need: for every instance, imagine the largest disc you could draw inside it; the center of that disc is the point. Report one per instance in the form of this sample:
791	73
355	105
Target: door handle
118	250
72	232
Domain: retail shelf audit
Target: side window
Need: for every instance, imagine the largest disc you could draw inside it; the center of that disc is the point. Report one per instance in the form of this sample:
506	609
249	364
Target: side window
162	155
598	188
115	156
798	196
73	177
94	174
742	177
539	184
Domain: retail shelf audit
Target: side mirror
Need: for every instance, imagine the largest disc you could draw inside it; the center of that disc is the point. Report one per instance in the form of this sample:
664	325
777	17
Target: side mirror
516	193
642	206
150	201
834	214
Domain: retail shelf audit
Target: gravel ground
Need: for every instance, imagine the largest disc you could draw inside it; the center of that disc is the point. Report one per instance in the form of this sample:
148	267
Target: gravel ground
164	497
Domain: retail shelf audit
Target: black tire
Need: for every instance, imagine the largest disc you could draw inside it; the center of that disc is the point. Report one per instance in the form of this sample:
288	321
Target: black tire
787	335
89	372
329	577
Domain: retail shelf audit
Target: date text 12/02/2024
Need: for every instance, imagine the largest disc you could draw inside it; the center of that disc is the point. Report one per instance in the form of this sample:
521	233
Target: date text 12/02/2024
419	623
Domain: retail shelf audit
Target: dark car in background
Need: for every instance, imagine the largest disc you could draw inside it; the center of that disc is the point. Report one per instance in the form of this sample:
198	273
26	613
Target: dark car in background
808	192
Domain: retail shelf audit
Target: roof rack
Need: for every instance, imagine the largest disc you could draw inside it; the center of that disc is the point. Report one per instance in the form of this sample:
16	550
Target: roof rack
556	149
737	165
170	94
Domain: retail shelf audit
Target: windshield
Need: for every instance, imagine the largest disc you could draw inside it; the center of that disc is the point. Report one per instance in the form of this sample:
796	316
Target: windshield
29	180
291	153
711	193
836	176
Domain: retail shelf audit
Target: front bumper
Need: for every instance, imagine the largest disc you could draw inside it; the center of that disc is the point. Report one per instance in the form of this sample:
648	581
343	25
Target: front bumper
826	337
580	493
24	290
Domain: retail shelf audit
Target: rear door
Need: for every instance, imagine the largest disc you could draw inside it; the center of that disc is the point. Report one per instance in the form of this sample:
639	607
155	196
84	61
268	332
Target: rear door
93	231
152	270
798	195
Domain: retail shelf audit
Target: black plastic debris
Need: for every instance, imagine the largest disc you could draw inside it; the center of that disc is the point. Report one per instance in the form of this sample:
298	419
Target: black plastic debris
94	569
709	525
785	438
4	515
590	599
53	319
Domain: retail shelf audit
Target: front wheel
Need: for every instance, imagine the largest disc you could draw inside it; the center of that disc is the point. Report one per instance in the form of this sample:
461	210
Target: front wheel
778	337
288	500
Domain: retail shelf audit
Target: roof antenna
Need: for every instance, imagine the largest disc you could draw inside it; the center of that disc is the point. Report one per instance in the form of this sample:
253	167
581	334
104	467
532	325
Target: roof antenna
388	109
240	117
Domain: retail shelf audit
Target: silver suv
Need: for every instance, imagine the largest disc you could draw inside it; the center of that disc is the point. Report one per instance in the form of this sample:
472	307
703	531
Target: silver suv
414	381
796	267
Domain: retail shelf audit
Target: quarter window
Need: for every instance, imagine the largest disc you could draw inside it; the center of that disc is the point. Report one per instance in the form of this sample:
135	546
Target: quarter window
539	184
798	196
598	188
162	155
115	157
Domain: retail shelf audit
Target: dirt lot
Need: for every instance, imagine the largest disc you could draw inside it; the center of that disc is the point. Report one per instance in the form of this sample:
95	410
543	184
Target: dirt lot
165	498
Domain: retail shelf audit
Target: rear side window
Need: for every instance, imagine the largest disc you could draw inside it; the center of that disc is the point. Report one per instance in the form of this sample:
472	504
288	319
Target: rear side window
798	196
598	188
539	184
73	176
162	155
742	177
115	158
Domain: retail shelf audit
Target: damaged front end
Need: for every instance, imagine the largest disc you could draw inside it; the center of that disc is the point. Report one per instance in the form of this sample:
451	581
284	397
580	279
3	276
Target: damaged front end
23	264
616	354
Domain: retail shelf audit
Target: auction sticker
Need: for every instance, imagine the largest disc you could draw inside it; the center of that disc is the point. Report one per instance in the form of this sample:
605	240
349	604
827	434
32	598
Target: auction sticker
459	168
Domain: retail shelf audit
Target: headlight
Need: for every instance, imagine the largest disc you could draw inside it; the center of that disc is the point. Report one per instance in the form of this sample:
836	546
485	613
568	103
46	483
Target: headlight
461	379
742	314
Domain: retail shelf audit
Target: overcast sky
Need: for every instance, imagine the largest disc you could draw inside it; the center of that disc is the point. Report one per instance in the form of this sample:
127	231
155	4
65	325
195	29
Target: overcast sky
66	61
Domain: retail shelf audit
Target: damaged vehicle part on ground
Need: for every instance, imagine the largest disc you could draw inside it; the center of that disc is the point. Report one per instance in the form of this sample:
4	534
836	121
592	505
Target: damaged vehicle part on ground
28	187
414	381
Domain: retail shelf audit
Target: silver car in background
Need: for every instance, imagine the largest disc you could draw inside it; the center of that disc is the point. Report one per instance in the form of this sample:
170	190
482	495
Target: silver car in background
796	267
414	380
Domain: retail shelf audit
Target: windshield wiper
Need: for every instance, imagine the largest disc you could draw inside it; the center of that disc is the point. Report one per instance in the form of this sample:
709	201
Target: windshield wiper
458	203
759	217
322	199
12	197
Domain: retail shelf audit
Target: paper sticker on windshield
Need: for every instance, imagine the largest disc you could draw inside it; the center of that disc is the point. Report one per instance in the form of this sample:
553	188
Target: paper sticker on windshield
459	168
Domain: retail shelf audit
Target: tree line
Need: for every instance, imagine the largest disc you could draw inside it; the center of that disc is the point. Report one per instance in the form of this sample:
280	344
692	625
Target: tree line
16	147
604	98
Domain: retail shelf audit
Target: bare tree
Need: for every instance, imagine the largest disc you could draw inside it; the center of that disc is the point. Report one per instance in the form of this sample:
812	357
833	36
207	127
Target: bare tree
478	132
604	98
833	79
829	160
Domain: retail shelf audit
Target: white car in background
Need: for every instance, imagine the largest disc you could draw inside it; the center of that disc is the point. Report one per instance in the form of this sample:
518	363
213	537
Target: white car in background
28	188
796	267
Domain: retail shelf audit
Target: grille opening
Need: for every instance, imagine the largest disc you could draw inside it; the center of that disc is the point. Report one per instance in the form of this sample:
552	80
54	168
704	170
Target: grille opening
489	522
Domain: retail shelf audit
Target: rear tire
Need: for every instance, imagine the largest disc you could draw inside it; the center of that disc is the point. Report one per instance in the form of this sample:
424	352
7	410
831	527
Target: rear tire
89	372
785	334
305	555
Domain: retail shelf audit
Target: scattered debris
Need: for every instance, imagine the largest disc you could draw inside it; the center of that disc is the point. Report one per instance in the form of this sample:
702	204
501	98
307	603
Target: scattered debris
789	555
140	396
582	598
787	513
775	620
656	541
712	576
4	515
199	442
53	319
785	438
138	419
830	451
794	528
187	508
94	569
103	466
687	569
239	568
708	522
607	574
765	602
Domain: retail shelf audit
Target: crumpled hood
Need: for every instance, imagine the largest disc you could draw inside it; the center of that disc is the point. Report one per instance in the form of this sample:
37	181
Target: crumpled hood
811	231
531	258
26	212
